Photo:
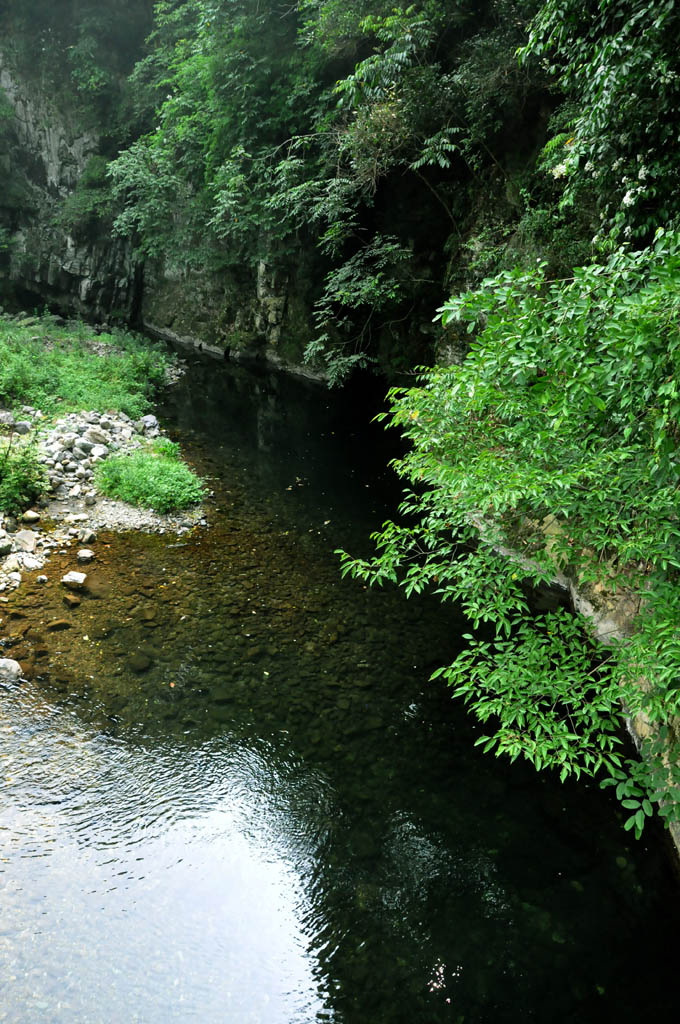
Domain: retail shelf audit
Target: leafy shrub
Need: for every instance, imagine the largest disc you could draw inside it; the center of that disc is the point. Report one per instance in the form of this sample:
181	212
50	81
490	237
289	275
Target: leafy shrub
557	437
43	365
21	477
152	479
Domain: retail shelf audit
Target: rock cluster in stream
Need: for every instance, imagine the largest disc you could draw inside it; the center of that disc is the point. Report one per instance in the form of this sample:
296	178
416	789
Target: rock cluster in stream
69	451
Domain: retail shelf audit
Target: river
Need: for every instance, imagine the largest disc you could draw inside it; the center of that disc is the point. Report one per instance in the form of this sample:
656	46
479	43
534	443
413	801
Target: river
230	794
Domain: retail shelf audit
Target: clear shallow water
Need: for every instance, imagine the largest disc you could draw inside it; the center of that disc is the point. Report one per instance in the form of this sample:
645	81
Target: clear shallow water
279	819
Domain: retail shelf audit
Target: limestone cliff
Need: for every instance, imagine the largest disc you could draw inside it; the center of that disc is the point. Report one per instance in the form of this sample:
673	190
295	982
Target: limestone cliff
260	311
44	155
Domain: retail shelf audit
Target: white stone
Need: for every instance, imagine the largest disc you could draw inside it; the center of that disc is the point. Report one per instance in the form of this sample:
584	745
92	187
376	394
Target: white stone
10	670
25	540
74	580
85	555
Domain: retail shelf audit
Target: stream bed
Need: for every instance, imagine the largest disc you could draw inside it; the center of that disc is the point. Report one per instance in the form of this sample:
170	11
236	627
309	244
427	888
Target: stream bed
228	792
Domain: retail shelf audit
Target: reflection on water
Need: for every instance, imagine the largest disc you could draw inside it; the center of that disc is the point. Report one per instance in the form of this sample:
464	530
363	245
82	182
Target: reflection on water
148	881
230	794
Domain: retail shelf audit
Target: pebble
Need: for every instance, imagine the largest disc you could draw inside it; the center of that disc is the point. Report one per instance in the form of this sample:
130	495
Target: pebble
85	555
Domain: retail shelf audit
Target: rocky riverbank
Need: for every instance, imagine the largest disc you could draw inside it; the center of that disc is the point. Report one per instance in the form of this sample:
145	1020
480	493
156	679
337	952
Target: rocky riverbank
73	510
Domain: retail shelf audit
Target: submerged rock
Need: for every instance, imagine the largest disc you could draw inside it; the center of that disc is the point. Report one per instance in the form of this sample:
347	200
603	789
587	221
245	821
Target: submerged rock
140	662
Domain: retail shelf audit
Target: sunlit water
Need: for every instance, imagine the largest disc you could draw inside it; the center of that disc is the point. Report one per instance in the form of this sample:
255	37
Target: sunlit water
229	793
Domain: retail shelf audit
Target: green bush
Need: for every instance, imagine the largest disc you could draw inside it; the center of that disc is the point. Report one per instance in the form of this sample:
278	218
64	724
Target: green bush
21	477
152	479
557	437
64	369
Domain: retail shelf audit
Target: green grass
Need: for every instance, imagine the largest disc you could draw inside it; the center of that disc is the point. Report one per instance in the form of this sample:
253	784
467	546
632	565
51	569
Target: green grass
155	478
54	369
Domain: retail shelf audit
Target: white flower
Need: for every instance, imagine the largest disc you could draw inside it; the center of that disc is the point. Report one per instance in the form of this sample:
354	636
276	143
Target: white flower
589	167
559	170
629	198
642	173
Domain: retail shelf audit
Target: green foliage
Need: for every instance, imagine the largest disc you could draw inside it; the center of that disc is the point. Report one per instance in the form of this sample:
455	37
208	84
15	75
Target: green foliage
278	127
79	48
155	479
60	369
617	65
22	478
556	438
90	203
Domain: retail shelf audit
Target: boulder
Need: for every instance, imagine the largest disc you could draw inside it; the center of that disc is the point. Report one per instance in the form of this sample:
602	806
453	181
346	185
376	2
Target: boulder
25	540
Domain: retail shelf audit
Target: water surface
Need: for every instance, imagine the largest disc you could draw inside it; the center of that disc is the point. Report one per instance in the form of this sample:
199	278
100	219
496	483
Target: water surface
229	793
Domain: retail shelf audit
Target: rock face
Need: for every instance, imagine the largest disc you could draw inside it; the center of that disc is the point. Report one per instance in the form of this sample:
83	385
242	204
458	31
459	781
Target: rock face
265	313
44	158
253	312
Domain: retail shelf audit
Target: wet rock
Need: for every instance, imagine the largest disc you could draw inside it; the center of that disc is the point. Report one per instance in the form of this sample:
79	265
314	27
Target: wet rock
5	546
57	625
41	579
86	536
139	662
85	555
10	670
71	600
23	427
74	580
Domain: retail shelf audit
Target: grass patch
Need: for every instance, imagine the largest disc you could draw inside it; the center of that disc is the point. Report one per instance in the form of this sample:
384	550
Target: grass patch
64	369
22	479
155	478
